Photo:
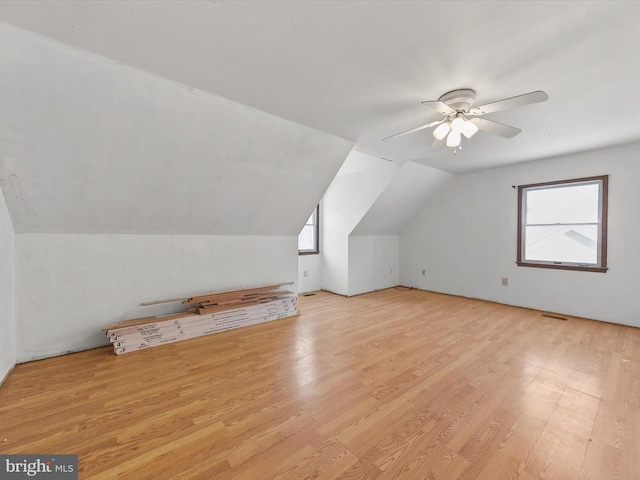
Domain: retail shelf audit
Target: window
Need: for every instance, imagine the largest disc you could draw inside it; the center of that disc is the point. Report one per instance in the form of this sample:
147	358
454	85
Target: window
308	240
564	224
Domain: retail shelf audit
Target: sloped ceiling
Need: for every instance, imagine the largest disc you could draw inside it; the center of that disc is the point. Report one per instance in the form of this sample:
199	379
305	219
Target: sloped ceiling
359	70
88	145
352	193
412	186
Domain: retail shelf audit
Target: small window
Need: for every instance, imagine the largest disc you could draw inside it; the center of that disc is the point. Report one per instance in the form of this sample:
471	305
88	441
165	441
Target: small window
564	224
308	239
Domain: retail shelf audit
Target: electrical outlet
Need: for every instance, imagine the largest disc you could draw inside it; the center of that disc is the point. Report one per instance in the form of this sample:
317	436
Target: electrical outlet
505	281
423	271
305	273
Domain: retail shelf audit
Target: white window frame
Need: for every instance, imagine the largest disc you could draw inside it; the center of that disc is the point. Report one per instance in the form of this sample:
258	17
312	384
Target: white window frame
601	265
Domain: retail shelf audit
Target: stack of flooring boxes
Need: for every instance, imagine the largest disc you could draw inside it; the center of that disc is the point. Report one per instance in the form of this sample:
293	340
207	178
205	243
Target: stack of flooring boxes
209	313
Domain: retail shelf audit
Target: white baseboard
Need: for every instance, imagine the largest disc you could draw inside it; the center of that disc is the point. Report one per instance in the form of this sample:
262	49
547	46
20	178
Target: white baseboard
7	374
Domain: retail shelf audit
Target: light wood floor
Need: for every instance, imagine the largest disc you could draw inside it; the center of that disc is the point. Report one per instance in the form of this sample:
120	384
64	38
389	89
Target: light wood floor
393	384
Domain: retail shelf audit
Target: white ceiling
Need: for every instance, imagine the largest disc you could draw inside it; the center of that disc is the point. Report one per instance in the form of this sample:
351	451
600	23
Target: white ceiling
359	70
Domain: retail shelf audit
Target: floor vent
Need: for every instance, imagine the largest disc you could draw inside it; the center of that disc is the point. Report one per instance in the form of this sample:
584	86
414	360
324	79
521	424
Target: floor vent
308	294
548	315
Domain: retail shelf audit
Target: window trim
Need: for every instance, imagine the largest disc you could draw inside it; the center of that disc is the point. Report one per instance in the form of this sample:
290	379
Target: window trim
316	233
604	195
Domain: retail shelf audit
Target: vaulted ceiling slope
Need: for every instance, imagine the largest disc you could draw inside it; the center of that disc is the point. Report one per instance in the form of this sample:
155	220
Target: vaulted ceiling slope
401	200
88	145
359	70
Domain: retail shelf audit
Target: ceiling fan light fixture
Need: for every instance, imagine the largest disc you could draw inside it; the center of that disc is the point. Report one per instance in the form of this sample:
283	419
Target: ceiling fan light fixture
469	129
442	130
454	138
458	123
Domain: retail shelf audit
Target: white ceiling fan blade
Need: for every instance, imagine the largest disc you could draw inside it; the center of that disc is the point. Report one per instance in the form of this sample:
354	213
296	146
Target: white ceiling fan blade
441	107
519	101
437	145
490	126
416	129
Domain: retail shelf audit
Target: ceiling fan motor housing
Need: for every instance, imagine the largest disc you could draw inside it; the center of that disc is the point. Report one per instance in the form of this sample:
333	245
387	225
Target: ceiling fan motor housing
459	100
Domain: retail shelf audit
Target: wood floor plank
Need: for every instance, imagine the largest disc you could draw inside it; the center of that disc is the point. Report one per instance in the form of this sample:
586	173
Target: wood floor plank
630	460
518	434
602	462
557	454
398	383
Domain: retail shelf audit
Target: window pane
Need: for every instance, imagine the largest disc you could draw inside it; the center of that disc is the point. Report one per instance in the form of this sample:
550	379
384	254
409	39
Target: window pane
306	240
312	219
571	204
562	243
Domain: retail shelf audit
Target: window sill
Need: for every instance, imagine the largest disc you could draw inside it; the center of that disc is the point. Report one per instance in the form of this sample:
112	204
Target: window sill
563	267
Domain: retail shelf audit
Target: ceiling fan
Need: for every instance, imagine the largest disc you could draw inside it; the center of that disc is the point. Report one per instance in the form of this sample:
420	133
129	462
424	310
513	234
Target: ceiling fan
461	119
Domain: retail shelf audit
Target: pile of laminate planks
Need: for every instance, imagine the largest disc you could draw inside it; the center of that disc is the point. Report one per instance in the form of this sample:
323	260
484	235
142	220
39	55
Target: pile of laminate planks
206	314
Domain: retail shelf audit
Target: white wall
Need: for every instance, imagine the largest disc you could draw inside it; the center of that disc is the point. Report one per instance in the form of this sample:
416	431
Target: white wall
374	242
465	239
68	286
7	310
374	249
405	195
345	202
374	262
312	265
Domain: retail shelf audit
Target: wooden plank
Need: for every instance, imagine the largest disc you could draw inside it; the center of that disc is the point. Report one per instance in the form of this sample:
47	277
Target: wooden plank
143	332
245	300
226	306
145	320
267	288
198	330
194	309
195	334
161	321
226	298
165	300
186	297
223	308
